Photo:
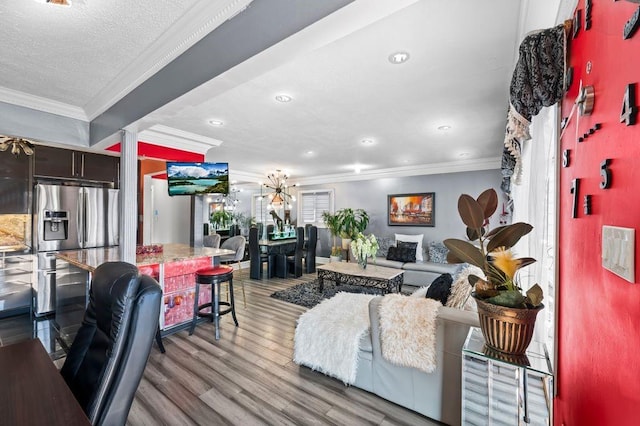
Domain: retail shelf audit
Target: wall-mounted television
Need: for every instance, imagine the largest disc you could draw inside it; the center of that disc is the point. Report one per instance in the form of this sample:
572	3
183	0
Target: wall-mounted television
189	178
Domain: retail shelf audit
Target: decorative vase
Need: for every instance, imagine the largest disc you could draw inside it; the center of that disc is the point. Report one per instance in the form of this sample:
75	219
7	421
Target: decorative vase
362	261
506	329
346	242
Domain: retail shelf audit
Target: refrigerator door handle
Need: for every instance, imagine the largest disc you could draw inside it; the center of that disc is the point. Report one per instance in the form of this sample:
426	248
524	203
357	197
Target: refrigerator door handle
80	218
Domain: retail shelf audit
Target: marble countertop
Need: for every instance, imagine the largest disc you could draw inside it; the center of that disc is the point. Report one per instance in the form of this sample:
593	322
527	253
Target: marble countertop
90	259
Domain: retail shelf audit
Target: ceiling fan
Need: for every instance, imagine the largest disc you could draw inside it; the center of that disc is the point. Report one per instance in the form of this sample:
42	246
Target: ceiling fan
16	144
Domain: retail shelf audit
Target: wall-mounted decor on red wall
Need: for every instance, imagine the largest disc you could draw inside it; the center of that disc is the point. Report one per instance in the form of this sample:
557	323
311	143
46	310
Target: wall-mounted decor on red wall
598	310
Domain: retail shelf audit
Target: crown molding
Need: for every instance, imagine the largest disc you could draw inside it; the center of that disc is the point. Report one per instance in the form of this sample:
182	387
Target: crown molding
197	22
39	103
242	177
178	139
418	170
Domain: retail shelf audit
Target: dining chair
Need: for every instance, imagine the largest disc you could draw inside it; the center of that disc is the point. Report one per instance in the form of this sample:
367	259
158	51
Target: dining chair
211	241
294	261
310	250
237	244
257	257
108	356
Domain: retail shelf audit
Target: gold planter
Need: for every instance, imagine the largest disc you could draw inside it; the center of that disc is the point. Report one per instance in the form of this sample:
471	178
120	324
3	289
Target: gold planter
505	329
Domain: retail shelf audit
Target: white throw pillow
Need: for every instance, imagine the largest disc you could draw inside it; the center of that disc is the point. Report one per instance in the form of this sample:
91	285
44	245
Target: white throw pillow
412	239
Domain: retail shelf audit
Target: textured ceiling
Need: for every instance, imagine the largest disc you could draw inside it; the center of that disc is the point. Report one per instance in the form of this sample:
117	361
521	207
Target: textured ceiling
462	56
68	54
344	88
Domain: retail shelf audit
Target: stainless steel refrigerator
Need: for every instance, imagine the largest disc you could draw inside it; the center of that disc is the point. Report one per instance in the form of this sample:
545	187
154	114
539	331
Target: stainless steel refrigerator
68	217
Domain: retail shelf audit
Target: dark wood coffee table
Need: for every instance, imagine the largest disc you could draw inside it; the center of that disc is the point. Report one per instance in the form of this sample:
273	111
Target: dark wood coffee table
387	280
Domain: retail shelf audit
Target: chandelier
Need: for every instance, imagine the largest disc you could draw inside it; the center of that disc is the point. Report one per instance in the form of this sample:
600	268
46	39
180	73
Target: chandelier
16	144
229	200
280	195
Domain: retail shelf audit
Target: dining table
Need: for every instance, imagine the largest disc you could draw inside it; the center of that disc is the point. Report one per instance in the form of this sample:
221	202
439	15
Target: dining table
277	250
33	392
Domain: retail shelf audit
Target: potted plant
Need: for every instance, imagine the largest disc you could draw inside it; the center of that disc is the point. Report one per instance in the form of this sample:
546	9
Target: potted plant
221	219
507	315
332	223
352	222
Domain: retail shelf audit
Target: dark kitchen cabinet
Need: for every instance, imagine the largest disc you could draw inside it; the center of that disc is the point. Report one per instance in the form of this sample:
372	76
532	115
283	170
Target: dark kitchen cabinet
69	164
54	162
14	183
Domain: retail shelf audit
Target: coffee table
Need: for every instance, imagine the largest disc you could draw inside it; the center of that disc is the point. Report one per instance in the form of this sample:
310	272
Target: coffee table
388	280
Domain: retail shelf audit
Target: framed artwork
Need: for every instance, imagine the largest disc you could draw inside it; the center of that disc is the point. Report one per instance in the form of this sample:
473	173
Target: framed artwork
412	209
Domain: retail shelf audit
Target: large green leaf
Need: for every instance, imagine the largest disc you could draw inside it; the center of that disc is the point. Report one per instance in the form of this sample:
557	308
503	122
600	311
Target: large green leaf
465	251
470	211
511	299
509	236
488	200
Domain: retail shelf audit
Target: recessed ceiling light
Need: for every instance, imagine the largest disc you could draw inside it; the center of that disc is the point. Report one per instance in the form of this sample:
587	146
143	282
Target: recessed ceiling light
367	141
216	123
283	98
444	127
309	152
399	57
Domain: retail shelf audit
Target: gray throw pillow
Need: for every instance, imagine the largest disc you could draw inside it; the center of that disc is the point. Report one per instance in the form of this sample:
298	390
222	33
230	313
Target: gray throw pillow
438	252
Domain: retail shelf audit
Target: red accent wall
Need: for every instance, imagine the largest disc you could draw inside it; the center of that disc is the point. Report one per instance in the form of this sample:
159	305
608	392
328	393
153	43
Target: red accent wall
598	373
161	152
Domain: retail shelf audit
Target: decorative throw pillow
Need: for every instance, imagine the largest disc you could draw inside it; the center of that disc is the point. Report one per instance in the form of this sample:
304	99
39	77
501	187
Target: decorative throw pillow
383	245
402	254
440	288
438	252
460	297
412	239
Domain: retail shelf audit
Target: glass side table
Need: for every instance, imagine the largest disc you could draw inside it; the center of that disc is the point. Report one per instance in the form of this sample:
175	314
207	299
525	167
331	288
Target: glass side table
501	389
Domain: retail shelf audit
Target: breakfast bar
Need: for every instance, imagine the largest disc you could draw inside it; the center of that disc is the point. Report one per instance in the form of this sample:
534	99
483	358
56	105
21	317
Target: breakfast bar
174	267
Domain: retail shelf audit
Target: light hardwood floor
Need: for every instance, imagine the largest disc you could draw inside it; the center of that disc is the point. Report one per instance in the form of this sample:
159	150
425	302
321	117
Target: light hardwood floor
248	376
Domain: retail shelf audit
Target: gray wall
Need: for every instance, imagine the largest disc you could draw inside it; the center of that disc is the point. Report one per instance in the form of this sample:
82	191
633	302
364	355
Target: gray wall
41	126
371	195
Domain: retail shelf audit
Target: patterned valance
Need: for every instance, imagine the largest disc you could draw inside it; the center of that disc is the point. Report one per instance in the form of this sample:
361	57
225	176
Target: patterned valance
538	81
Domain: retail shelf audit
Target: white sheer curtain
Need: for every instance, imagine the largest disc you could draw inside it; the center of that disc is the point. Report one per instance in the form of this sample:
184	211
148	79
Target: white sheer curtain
535	202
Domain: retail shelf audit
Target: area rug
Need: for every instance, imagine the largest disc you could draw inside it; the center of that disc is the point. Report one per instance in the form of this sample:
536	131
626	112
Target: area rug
327	337
308	294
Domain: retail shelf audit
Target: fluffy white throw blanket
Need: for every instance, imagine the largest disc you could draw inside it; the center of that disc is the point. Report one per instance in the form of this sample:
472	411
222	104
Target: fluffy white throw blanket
327	336
408	331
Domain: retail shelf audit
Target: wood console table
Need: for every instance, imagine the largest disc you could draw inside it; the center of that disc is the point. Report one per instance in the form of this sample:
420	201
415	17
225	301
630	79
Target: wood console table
33	392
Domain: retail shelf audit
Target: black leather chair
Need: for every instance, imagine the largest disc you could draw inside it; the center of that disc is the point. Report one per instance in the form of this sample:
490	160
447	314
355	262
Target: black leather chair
310	250
294	261
108	356
257	258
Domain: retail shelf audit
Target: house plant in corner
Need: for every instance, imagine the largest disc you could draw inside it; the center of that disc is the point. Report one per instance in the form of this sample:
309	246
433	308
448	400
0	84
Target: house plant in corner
507	316
333	224
351	223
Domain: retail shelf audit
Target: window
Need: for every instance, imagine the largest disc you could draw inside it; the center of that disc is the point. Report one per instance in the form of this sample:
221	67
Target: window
259	208
311	204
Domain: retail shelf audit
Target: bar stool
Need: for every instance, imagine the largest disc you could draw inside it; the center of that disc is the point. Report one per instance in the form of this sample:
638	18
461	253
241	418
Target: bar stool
213	276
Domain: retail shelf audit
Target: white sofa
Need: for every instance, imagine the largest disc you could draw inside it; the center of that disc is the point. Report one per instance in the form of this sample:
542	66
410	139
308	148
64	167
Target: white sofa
436	395
418	274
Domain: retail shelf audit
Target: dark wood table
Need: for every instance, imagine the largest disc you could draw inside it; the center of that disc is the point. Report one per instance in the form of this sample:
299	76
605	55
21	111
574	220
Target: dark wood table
33	392
278	249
